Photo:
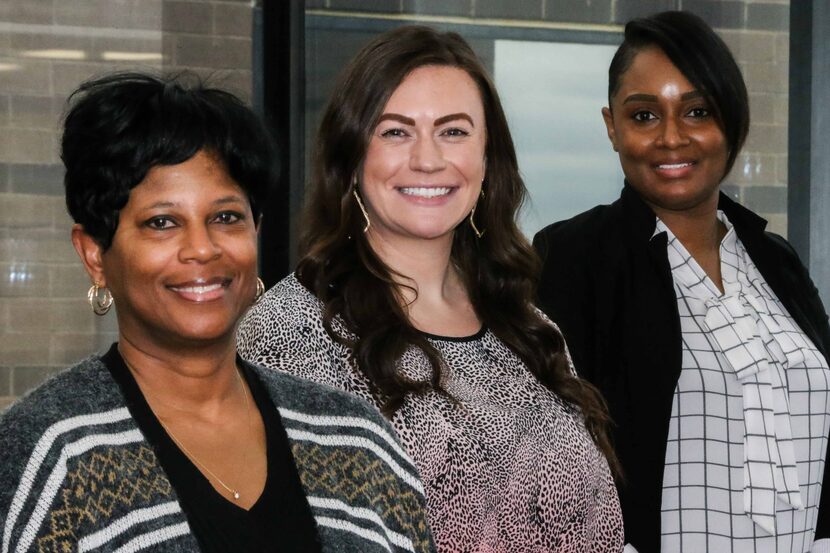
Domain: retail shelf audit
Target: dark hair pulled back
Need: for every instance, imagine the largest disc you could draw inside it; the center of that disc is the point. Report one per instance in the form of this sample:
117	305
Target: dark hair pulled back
703	58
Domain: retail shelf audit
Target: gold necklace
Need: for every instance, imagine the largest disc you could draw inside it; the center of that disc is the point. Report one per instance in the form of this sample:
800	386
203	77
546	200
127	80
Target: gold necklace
234	493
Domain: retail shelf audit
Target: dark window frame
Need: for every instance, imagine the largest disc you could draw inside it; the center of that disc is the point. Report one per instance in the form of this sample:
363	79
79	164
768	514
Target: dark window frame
808	172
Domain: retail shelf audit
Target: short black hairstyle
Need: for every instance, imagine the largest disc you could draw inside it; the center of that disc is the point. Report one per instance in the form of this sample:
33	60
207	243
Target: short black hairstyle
122	125
703	58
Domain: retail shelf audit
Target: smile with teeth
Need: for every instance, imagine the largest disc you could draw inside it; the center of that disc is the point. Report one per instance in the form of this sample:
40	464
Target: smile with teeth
675	165
201	291
198	289
426	191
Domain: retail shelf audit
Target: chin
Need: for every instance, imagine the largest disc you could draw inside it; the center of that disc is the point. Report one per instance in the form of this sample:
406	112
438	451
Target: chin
203	331
679	203
431	230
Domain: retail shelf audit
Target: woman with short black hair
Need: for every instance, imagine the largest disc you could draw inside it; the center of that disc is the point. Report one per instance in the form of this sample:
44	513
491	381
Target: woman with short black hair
703	331
170	441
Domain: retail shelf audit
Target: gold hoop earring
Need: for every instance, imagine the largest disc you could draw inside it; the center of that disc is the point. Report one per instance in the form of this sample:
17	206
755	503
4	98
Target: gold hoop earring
260	290
362	210
478	233
100	305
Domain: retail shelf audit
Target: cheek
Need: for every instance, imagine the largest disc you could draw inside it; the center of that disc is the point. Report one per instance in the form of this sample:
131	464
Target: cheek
381	162
468	159
248	257
134	267
719	147
239	248
634	145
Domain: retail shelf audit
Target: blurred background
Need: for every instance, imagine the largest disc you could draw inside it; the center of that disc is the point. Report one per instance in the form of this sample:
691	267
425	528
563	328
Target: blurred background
549	59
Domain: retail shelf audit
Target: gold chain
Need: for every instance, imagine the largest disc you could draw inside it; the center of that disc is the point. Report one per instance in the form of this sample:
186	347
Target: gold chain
234	493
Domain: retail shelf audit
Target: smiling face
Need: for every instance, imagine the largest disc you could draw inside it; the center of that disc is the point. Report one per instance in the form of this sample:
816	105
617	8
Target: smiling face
425	161
182	264
672	150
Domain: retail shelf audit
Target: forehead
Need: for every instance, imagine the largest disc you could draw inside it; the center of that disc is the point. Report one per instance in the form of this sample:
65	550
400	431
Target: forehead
651	71
437	88
202	177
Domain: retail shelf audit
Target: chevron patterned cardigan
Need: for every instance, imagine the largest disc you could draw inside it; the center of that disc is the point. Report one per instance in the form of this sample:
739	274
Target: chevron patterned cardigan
76	473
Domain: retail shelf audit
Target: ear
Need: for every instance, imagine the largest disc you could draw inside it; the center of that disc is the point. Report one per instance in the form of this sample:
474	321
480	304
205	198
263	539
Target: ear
608	117
90	252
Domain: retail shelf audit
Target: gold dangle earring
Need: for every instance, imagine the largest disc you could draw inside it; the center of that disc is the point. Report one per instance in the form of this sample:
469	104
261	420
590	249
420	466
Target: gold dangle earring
260	290
360	204
100	305
478	233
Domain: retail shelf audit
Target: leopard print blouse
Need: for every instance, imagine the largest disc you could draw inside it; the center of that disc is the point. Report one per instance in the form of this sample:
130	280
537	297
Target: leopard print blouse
509	467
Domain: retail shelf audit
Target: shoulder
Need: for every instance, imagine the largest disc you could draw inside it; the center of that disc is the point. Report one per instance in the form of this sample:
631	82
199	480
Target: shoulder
86	387
782	257
315	412
572	248
574	233
288	298
286	310
347	454
300	394
780	244
66	409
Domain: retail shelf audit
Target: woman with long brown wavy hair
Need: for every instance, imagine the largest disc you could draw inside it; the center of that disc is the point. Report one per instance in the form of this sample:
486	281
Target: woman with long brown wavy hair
415	290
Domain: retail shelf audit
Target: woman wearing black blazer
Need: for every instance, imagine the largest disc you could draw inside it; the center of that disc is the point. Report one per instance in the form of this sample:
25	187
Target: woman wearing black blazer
704	331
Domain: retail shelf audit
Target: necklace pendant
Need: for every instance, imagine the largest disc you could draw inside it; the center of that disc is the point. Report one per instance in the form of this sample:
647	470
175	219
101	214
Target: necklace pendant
236	494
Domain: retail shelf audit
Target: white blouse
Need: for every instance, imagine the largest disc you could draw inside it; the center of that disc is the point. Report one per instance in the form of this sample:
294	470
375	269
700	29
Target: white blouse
750	418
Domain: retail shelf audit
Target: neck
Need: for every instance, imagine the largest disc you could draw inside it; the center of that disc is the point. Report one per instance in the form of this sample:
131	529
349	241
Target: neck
194	380
698	229
422	264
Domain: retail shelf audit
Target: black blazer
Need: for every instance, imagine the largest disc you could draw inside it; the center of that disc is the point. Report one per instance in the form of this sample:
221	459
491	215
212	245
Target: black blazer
608	285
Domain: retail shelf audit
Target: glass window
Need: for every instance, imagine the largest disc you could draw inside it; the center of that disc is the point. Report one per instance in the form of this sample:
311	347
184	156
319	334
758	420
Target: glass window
552	94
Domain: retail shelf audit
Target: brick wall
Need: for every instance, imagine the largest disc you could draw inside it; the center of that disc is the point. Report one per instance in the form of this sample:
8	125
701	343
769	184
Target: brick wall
47	48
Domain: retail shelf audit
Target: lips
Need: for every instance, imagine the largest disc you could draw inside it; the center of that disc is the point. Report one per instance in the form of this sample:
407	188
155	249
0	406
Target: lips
201	290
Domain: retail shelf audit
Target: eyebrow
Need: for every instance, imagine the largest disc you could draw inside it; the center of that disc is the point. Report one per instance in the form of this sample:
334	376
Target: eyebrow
453	117
411	122
652	98
221	201
397	117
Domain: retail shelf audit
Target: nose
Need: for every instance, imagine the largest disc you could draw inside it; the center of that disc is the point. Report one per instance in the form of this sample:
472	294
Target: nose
672	133
198	245
426	155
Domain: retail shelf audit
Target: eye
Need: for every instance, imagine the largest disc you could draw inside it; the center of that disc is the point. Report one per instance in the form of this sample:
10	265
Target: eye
393	133
699	112
228	217
161	222
455	132
643	116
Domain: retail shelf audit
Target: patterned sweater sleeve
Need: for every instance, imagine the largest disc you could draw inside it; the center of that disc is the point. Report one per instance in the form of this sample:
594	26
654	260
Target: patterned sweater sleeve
15	448
362	486
71	460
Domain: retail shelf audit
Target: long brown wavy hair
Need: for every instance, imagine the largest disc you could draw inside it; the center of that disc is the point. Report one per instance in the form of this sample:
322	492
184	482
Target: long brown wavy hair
499	270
